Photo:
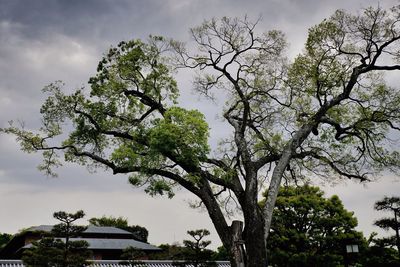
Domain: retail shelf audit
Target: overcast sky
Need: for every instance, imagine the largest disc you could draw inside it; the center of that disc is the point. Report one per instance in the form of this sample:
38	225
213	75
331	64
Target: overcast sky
45	41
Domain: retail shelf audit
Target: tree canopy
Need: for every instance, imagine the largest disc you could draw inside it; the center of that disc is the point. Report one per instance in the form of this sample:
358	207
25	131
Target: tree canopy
330	113
309	229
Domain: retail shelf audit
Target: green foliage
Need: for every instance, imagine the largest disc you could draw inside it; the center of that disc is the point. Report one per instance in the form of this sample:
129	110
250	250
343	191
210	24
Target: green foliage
392	205
379	253
66	228
182	133
309	229
198	244
158	187
139	233
132	256
134	64
196	253
4	239
58	250
128	120
46	252
193	252
50	252
169	252
221	254
334	50
380	256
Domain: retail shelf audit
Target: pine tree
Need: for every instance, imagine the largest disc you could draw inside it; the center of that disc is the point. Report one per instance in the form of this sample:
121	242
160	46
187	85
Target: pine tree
390	204
196	253
57	250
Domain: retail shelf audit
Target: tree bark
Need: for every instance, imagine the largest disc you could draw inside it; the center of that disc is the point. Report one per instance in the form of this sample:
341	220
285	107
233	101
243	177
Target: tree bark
397	233
227	234
256	254
248	250
245	250
237	250
279	170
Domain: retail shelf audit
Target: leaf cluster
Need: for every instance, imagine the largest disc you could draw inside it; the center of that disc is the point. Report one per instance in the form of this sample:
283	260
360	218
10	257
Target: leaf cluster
4	239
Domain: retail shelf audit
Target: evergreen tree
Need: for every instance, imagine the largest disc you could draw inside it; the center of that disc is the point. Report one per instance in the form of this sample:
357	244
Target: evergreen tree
392	205
309	229
57	250
196	253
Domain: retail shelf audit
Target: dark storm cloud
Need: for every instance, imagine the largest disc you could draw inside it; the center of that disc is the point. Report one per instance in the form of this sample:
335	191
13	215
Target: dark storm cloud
103	20
72	18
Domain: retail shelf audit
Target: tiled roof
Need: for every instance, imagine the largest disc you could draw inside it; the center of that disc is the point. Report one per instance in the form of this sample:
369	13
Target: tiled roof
90	229
18	263
97	243
112	243
105	230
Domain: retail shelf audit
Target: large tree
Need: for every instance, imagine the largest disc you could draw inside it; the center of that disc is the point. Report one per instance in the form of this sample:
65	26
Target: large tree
328	113
309	229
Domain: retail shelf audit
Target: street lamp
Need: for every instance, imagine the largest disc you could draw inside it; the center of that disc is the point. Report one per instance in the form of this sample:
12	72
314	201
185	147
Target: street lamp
350	249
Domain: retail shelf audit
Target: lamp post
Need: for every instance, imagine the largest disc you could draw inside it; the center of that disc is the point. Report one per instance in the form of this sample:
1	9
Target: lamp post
350	250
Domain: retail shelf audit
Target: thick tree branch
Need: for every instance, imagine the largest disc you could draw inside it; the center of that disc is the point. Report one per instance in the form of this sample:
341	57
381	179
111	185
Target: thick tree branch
145	99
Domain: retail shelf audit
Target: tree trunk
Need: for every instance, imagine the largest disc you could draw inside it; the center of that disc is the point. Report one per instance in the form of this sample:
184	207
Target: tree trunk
279	170
237	250
229	235
256	255
253	240
397	233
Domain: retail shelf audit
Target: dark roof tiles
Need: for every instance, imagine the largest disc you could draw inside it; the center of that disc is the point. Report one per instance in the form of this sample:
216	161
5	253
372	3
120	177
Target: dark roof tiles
90	229
112	243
